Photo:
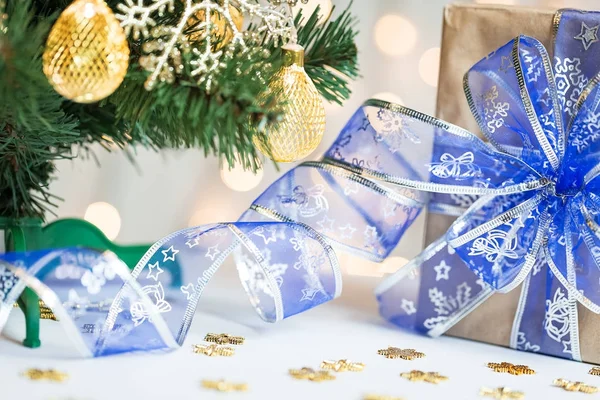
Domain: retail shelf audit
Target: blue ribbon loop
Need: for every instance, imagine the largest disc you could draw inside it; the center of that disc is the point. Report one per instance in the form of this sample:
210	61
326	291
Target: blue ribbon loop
527	200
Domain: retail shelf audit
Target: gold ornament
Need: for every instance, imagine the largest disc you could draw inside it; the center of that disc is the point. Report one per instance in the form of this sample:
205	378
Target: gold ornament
511	368
220	28
300	131
594	371
87	54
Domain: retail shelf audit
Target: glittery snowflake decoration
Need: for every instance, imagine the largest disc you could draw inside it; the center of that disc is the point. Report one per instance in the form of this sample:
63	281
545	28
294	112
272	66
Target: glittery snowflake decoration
165	45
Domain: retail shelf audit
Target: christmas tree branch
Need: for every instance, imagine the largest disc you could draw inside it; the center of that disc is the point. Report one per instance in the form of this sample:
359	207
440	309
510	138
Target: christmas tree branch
331	53
38	126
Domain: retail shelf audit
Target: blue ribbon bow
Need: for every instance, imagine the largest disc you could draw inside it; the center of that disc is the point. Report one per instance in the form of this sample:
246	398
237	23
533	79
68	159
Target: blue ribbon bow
541	117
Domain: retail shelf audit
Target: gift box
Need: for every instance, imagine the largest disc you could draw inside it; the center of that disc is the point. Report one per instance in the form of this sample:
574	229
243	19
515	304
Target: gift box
470	33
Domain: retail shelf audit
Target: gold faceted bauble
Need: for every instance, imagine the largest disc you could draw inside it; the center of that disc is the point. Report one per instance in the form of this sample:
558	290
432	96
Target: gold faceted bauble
302	126
87	54
221	29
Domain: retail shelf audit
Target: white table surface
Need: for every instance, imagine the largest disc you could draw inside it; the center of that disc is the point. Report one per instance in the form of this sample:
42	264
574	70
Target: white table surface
346	328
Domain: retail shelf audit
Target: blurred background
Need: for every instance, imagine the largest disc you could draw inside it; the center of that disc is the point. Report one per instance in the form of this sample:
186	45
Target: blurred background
163	192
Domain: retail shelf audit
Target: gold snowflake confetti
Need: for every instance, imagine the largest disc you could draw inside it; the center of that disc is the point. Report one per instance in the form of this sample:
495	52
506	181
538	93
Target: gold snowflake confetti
594	371
405	354
420	376
311	375
501	393
575	386
213	350
52	375
342	366
512	369
224	338
223	386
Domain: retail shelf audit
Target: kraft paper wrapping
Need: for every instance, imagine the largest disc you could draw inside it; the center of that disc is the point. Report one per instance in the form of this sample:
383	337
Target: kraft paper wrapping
471	32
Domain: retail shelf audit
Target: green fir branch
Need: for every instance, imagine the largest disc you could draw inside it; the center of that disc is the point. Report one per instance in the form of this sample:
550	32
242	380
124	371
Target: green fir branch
331	58
37	126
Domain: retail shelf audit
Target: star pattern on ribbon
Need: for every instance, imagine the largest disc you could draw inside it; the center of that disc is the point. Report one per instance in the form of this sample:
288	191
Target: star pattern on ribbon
588	35
169	254
154	271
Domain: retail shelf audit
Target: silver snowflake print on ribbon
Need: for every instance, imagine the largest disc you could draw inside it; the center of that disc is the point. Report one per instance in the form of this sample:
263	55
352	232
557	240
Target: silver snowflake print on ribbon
444	305
570	82
494	110
393	128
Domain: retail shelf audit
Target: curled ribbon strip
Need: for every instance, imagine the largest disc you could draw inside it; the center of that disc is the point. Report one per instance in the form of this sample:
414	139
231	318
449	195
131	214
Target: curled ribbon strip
528	206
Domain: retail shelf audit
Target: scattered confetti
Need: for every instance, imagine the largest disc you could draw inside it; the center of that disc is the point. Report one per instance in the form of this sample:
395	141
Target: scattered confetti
52	375
502	393
224	338
575	386
405	354
223	386
213	350
311	375
420	376
595	371
512	369
342	366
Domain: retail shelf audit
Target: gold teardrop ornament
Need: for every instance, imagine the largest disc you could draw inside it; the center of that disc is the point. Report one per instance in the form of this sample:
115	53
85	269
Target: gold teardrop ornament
302	125
87	54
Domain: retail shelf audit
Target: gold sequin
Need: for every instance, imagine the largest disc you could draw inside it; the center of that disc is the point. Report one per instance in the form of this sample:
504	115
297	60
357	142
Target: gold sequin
512	369
224	338
213	350
311	375
595	371
52	375
405	354
420	376
501	393
342	366
575	386
223	386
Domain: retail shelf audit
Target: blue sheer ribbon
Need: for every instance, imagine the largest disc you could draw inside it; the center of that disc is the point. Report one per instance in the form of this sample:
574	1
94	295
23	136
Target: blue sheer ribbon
527	201
546	241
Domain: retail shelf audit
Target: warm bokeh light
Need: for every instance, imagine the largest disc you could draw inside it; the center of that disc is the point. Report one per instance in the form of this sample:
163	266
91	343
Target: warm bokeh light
239	179
395	35
309	8
106	217
389	97
429	66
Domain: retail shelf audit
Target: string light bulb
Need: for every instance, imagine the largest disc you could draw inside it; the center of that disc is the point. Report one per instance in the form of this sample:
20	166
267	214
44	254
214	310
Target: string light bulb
87	53
302	125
